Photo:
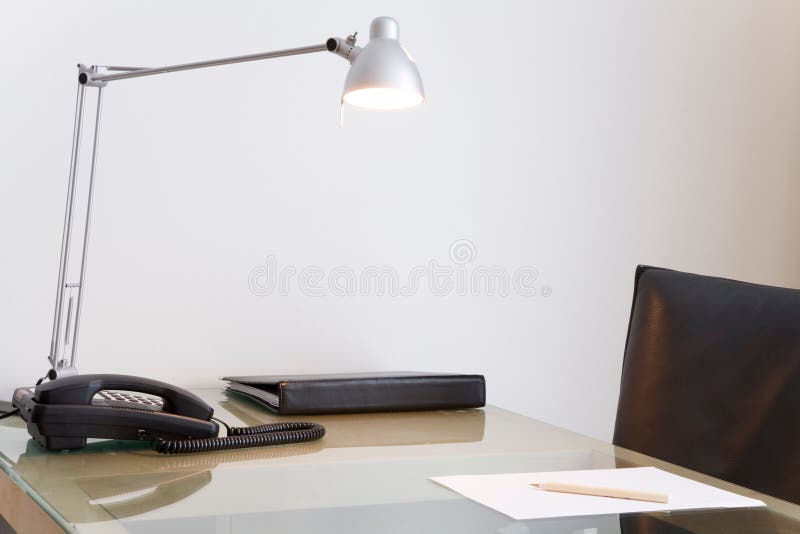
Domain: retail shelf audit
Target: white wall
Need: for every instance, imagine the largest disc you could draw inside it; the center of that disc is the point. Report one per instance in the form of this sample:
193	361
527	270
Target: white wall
580	138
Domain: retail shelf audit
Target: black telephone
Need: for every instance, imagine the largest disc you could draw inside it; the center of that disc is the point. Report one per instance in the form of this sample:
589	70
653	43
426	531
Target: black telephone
62	413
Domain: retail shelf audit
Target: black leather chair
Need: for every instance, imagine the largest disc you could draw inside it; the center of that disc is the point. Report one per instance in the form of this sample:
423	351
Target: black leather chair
711	378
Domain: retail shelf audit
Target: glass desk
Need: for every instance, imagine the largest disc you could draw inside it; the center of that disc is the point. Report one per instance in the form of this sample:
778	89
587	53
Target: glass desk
369	474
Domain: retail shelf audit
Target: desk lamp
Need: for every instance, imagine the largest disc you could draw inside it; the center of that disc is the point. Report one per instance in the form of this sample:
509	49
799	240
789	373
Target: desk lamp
382	76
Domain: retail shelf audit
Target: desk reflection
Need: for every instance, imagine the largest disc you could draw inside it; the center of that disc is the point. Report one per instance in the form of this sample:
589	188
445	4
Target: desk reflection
121	479
106	477
374	429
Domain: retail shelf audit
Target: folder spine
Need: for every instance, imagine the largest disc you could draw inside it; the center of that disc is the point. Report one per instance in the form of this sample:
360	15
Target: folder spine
382	394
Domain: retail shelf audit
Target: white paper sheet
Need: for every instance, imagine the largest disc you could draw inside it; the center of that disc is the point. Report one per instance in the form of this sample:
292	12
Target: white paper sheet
513	495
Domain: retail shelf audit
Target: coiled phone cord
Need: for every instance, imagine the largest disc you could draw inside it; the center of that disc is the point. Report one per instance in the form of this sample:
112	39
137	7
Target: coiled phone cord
242	437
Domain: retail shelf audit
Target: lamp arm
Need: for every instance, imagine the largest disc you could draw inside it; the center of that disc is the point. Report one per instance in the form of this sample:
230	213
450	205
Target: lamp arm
69	295
89	76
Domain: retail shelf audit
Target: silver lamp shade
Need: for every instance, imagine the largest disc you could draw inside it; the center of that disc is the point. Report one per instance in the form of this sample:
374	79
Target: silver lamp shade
383	75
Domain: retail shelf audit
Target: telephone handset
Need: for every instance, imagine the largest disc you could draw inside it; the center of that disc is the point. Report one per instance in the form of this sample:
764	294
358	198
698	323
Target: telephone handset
61	414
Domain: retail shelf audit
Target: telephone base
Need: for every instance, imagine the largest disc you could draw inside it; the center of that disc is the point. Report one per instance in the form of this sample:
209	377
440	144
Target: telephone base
24	401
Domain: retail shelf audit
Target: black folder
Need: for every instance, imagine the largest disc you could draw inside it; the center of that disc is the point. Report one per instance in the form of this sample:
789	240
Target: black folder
362	392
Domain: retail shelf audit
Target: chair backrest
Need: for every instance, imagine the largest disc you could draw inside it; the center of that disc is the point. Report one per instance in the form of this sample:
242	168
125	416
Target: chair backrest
711	378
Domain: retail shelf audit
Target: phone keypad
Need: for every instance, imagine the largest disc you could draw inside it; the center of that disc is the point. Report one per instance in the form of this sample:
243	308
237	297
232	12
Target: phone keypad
125	399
